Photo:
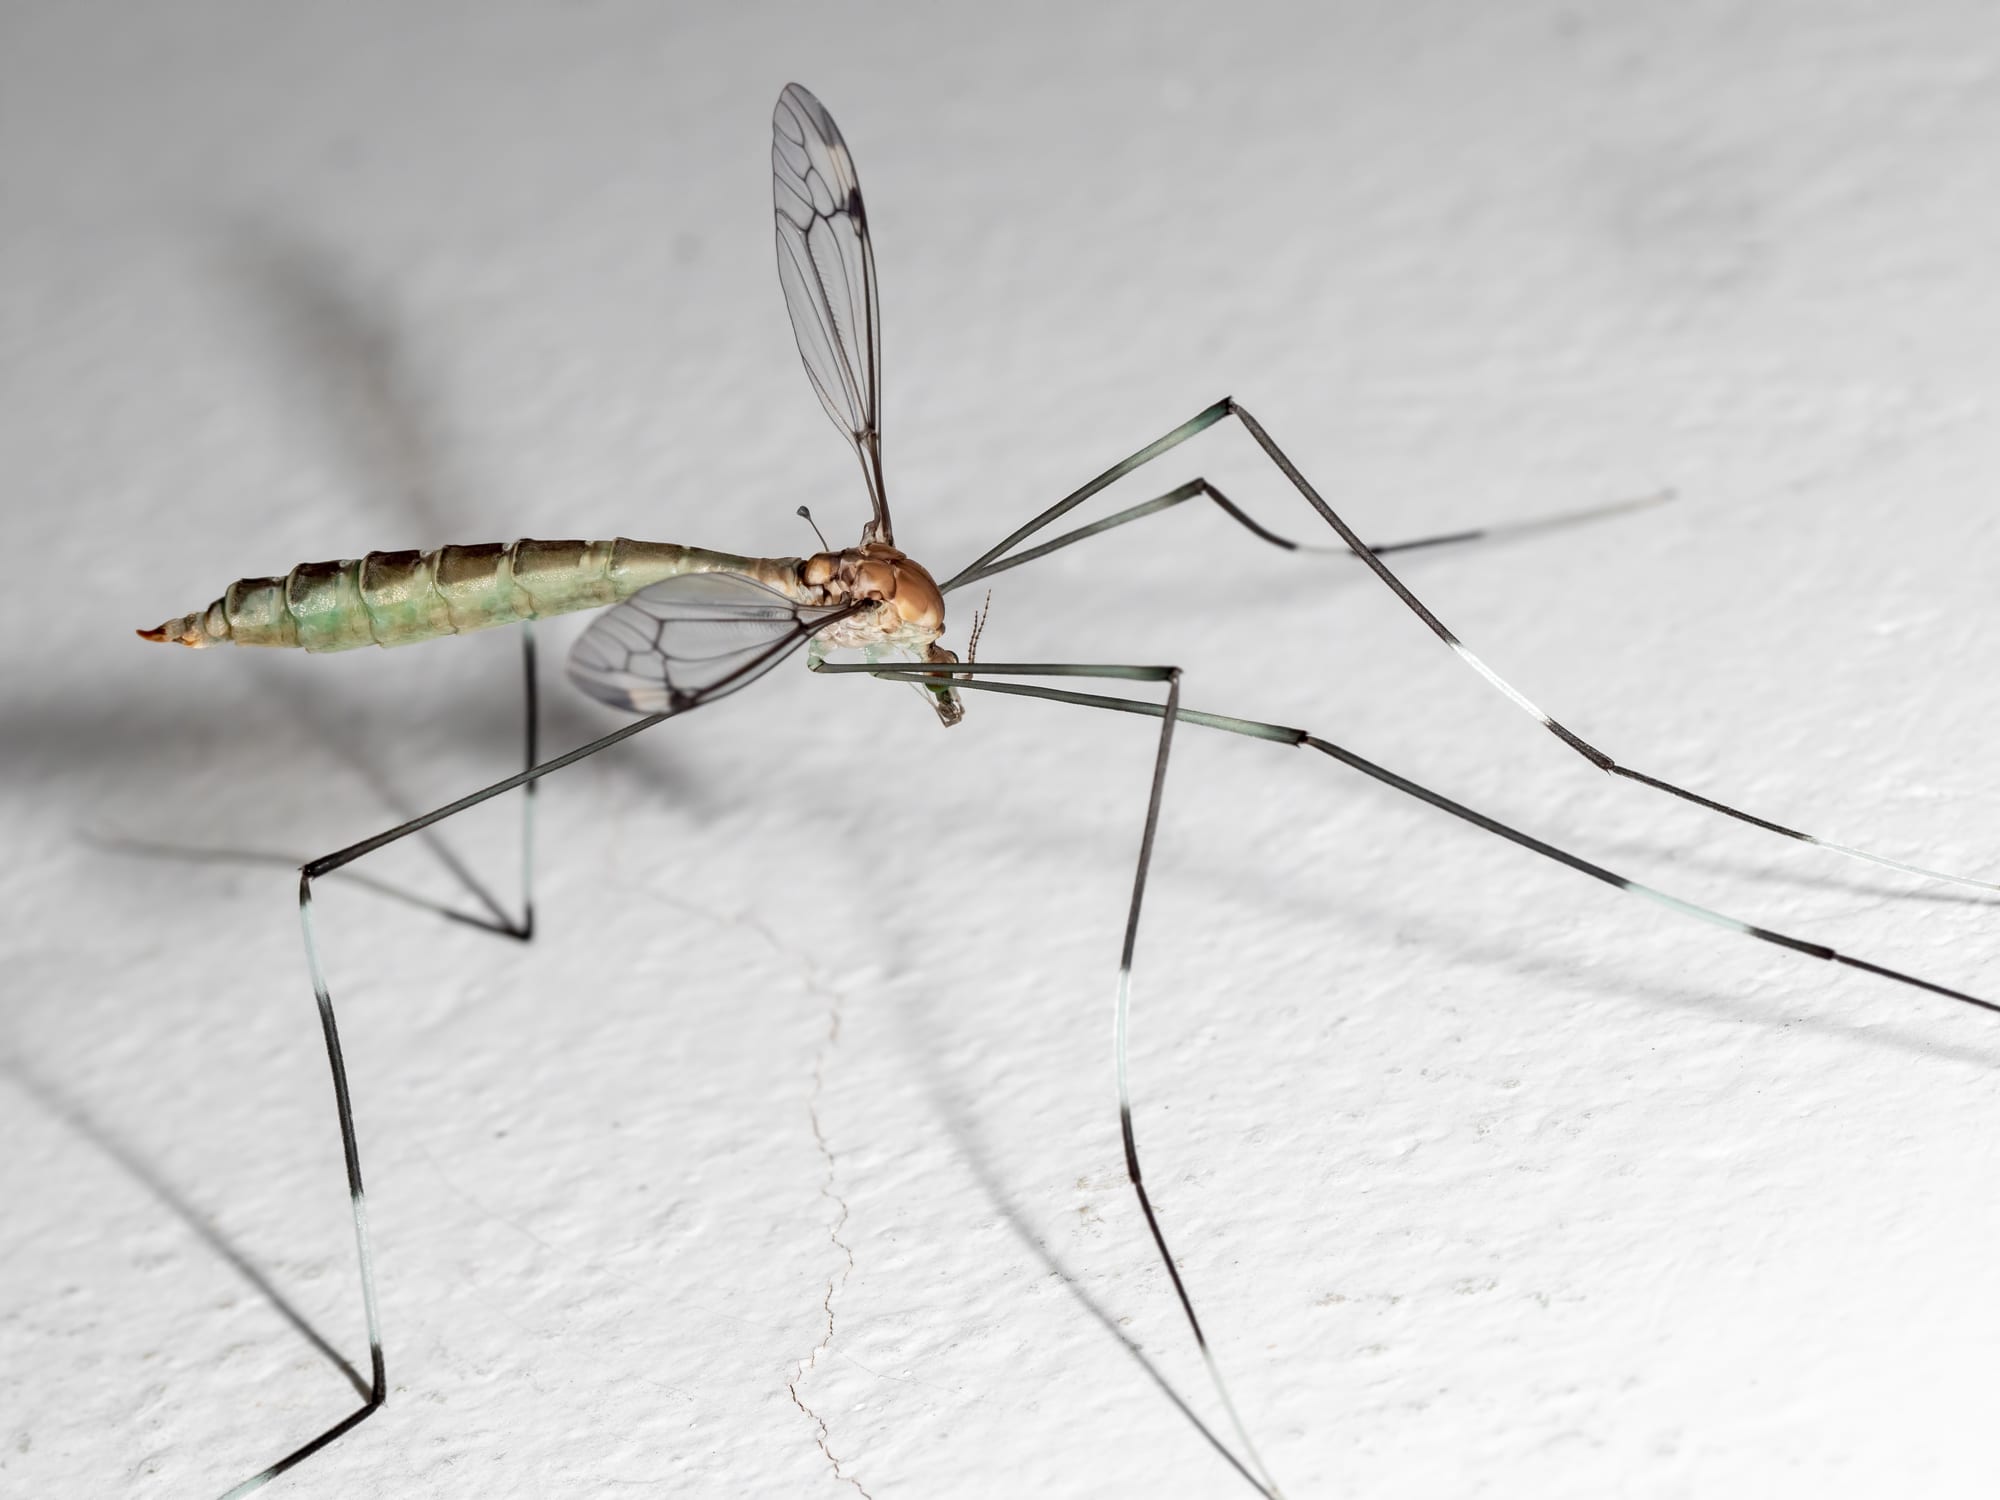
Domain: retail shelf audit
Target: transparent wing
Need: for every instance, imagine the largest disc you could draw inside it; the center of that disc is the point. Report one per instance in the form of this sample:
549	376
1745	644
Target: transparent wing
828	272
685	640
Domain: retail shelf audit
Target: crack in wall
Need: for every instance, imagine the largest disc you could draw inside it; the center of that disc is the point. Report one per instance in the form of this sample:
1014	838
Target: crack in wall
827	1190
834	1283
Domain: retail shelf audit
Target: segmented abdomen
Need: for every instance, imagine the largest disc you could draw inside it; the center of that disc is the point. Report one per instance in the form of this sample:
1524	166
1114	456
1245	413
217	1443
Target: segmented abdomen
396	598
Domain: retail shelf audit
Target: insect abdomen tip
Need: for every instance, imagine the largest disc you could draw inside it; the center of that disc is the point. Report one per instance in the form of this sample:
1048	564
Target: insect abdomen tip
186	631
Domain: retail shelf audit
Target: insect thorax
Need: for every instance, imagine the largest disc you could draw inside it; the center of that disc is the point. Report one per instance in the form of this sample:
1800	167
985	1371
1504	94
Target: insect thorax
909	612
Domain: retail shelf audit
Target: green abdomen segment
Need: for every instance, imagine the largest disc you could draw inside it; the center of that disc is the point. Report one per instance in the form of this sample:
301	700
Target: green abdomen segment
396	598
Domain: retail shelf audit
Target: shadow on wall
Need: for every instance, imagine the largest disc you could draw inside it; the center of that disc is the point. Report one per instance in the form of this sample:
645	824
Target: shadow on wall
129	1160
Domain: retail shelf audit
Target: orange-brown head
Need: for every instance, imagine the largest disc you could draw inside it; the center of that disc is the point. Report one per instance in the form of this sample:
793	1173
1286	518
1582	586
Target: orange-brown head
908	616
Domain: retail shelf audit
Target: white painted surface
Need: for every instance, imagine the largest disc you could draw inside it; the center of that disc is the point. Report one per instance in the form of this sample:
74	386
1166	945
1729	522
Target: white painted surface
1488	1182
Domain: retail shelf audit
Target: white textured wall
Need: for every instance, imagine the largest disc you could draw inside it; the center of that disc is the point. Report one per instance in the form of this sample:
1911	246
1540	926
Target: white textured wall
1488	1181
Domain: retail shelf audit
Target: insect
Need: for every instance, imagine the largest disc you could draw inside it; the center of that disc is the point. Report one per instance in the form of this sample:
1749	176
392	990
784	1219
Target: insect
682	626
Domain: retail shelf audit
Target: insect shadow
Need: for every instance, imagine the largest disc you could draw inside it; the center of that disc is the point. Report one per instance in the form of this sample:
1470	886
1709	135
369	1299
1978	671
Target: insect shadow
133	1163
346	370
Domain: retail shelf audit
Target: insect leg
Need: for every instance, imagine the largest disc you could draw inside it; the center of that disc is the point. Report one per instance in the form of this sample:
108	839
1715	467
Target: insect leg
1251	1466
1228	406
1286	735
969	678
1202	488
532	735
342	1102
501	922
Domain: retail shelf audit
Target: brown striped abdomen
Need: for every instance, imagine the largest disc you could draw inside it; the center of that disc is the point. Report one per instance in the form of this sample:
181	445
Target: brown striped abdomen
396	598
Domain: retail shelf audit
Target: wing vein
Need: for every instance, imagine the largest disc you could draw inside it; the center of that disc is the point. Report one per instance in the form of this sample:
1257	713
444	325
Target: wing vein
826	266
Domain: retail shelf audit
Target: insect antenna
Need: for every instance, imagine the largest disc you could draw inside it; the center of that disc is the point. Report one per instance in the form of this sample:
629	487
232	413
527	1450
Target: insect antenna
978	624
808	516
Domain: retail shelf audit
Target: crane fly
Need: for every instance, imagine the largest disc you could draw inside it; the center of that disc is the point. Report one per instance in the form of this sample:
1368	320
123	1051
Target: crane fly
681	626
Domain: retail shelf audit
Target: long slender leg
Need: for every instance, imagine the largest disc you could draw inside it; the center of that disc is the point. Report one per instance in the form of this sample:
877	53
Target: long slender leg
530	792
1251	1465
1121	1034
1287	735
498	920
966	676
342	1102
1203	489
523	926
1229	407
748	665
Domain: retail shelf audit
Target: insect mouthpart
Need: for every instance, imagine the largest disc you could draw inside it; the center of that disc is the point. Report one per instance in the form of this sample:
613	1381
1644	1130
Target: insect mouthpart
944	697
